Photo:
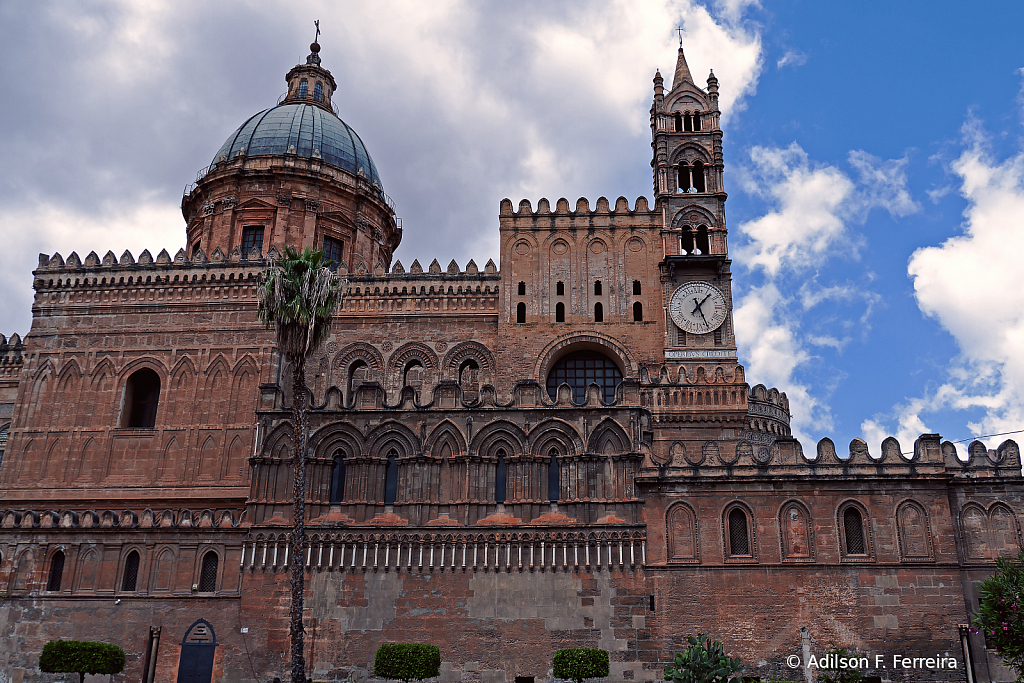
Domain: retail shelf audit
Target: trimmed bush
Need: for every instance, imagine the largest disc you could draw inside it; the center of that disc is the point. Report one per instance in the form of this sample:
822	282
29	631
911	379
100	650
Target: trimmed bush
577	663
79	657
704	661
407	661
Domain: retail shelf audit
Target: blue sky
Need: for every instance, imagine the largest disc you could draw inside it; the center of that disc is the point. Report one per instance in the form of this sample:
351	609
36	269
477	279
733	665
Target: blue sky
873	160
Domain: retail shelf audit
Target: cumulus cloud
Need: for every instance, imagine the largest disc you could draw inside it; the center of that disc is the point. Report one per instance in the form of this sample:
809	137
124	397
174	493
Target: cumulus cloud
812	206
972	284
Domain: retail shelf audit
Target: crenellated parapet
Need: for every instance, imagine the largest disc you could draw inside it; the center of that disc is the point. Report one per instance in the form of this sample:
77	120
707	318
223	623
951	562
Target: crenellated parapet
582	211
929	455
11	351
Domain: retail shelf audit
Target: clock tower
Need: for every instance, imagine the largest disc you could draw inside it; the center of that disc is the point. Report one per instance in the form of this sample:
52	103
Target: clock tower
700	342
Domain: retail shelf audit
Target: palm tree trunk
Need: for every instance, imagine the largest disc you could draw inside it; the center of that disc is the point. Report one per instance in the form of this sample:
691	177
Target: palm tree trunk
298	535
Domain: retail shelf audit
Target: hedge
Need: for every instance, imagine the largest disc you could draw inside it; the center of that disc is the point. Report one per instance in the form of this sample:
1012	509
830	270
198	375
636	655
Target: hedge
75	656
407	661
578	663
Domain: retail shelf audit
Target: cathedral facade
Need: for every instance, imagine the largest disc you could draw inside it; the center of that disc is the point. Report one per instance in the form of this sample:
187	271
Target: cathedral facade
563	451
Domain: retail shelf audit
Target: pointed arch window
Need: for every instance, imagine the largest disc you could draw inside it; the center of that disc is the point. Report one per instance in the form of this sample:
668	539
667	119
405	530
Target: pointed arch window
854	542
554	476
739	533
391	478
131	572
208	573
56	575
141	396
500	478
338	478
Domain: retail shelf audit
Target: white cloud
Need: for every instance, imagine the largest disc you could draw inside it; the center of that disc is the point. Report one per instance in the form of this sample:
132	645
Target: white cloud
772	349
812	207
792	58
972	284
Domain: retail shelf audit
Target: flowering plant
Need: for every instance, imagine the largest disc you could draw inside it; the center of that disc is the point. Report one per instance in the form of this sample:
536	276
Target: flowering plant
1000	616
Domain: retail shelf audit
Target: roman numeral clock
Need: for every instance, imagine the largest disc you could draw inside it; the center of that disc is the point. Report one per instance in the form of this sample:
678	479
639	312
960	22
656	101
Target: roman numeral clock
698	307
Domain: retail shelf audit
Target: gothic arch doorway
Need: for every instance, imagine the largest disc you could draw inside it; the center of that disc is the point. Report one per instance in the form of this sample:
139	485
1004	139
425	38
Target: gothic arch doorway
197	649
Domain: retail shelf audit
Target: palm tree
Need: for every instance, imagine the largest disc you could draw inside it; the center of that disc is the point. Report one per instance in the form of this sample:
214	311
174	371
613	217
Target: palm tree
297	296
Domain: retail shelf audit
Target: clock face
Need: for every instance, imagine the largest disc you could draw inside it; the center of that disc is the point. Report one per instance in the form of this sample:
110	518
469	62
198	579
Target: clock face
698	307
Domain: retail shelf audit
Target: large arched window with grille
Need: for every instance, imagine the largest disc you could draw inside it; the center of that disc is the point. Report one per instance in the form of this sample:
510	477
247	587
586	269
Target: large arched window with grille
131	572
854	541
579	369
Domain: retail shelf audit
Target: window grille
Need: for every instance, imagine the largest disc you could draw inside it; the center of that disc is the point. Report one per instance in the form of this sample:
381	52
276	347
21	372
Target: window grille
131	572
739	540
333	250
56	572
579	370
252	237
208	574
853	525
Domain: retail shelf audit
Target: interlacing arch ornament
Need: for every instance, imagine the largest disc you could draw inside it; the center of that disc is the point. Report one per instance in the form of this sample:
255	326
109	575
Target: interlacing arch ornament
399	362
456	358
347	363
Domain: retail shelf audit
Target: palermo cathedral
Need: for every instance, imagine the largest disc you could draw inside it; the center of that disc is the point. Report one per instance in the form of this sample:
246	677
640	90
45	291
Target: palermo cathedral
560	450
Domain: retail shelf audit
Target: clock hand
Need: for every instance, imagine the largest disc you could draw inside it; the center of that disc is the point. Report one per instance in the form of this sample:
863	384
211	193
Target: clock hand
697	308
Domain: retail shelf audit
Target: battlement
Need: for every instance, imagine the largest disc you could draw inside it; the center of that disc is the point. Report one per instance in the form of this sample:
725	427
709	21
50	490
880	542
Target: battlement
582	208
929	456
11	350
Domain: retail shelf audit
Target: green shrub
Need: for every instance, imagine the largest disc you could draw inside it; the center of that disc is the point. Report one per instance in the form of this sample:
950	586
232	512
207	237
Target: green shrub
838	674
1000	615
407	661
704	661
74	656
577	663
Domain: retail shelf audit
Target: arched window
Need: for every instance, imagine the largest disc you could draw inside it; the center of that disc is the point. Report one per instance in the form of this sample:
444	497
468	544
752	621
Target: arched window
358	373
598	313
636	287
391	479
853	532
208	573
698	177
739	536
318	92
688	123
638	312
522	289
56	572
685	181
520	312
554	476
303	88
559	312
469	376
678	120
696	121
582	368
559	288
141	395
338	478
500	478
414	376
131	572
703	243
4	433
597	288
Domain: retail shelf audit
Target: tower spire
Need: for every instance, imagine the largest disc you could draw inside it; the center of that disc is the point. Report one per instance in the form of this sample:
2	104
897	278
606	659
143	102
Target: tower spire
682	70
